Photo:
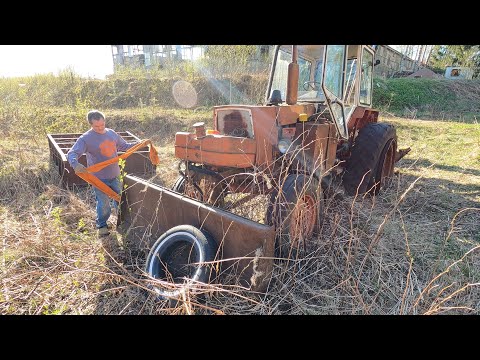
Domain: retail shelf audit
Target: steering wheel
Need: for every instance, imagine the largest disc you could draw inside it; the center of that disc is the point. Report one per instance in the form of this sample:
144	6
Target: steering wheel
240	132
310	84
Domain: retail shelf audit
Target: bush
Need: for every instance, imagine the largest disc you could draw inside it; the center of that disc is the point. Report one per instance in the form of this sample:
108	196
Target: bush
121	92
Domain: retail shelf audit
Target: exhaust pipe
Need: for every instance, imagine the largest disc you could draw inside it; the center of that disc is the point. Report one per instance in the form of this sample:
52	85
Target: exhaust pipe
292	80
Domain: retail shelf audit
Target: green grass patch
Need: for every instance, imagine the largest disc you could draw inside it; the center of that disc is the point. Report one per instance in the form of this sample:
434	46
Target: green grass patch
440	99
450	146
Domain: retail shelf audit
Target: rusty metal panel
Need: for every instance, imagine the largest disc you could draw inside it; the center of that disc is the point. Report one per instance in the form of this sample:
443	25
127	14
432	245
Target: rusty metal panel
267	120
215	158
320	145
362	116
216	143
245	247
332	147
314	142
266	134
219	150
289	114
59	144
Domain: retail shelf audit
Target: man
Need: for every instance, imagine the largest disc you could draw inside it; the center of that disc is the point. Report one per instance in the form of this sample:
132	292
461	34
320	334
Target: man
100	144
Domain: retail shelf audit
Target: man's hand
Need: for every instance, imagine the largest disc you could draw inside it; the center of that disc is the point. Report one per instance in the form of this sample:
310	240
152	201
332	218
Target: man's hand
80	169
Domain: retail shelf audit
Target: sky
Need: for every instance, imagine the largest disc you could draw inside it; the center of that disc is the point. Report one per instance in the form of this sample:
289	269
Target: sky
86	60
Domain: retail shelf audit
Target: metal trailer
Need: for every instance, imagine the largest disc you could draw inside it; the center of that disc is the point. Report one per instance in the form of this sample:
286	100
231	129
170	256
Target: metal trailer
138	163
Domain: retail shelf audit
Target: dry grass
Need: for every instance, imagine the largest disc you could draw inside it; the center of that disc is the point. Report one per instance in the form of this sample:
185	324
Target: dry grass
413	249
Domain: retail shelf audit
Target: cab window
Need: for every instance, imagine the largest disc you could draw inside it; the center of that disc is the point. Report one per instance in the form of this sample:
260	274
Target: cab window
281	72
366	78
334	70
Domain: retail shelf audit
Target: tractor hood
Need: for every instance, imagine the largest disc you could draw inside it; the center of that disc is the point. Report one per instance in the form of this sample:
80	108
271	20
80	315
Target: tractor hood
242	137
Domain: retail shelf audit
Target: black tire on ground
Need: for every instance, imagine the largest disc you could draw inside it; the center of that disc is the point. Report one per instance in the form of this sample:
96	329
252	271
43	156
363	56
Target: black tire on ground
375	145
179	256
296	213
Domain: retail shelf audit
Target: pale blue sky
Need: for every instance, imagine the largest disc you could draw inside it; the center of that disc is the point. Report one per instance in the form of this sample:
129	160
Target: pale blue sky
26	60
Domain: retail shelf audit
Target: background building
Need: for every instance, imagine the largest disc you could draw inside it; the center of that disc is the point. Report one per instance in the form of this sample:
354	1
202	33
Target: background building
392	62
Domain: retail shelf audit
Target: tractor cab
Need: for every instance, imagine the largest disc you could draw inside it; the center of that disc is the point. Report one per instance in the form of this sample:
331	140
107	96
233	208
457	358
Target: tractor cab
337	78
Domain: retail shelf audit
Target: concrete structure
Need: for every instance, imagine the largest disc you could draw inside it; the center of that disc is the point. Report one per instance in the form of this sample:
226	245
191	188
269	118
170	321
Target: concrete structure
153	55
393	63
458	72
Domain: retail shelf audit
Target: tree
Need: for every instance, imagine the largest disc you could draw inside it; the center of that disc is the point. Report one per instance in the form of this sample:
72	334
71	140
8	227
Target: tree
229	59
455	55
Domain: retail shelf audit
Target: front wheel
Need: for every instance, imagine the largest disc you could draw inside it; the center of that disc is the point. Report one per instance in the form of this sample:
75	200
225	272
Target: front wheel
188	187
204	190
295	210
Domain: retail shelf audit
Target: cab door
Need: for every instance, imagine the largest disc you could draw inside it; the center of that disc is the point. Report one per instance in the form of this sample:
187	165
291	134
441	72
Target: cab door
366	78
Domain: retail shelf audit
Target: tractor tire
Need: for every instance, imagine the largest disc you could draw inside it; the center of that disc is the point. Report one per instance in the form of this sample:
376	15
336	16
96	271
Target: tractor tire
178	256
296	213
373	157
193	191
179	185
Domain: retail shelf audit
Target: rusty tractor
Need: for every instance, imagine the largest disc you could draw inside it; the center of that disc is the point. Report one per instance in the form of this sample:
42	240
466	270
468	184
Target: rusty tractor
316	125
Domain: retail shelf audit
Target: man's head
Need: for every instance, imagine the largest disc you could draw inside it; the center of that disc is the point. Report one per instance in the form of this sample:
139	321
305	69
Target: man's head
97	120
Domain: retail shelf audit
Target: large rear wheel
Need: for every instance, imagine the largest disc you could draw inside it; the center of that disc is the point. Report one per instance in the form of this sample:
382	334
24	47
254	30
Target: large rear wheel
385	167
371	164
